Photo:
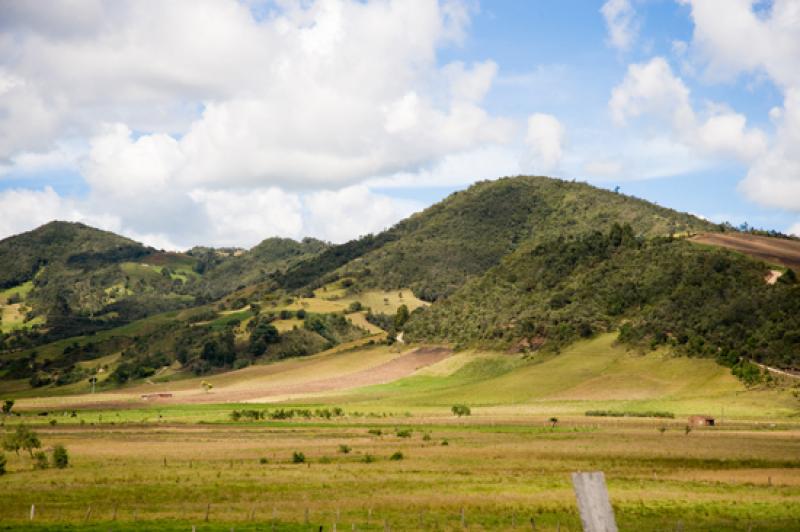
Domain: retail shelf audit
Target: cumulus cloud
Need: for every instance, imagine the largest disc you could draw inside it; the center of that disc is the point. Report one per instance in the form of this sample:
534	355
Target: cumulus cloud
623	27
339	215
651	91
201	112
331	91
545	139
774	179
733	37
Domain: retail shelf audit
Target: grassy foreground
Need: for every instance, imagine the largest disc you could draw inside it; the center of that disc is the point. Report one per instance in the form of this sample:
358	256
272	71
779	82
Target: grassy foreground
501	472
165	466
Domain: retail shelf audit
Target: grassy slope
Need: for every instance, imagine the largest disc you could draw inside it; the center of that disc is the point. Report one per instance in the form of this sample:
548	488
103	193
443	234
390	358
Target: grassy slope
595	374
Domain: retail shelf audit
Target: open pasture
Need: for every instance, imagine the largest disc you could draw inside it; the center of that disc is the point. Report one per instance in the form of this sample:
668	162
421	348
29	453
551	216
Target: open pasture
502	472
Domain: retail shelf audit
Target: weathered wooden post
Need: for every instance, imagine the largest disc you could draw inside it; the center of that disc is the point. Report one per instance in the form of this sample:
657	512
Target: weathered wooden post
208	510
593	503
33	511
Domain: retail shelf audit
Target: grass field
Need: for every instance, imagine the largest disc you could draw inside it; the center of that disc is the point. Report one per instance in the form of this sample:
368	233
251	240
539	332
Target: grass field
501	472
164	464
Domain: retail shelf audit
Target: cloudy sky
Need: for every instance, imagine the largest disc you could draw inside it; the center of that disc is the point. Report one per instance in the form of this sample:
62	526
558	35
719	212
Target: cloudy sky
222	122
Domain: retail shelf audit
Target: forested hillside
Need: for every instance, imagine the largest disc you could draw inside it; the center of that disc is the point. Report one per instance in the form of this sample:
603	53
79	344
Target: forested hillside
436	251
704	301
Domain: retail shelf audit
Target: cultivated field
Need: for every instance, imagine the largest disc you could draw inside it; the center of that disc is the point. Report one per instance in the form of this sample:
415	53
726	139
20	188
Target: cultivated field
775	250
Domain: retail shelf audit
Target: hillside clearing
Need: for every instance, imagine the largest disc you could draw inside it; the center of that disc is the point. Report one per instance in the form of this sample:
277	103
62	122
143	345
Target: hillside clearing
770	249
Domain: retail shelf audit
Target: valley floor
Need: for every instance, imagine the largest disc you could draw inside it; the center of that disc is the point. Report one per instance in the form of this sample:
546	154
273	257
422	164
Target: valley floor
138	465
502	472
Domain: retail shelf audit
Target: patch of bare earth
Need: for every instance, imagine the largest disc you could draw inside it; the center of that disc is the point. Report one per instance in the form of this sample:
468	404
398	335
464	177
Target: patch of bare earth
771	249
242	391
397	368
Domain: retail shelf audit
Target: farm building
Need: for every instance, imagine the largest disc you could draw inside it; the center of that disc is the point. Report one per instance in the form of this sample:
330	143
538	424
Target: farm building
701	421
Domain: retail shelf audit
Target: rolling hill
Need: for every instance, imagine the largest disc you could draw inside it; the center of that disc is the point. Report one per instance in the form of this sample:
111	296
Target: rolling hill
522	264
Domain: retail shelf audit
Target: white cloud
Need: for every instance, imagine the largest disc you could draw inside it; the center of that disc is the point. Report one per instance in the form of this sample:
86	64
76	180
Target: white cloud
794	229
245	217
353	211
650	91
288	100
732	37
457	170
199	122
623	28
545	139
774	179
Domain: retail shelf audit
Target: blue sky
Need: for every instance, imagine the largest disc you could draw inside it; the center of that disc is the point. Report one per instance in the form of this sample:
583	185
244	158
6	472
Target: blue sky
225	122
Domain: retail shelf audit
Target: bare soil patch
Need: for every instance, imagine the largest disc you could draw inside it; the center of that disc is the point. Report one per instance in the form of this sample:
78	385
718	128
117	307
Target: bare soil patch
776	250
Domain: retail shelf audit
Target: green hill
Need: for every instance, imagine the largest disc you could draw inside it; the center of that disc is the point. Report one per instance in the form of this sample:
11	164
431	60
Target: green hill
254	266
435	251
58	244
704	301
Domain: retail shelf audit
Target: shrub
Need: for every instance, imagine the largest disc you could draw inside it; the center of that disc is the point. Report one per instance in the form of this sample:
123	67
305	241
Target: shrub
368	459
405	433
375	432
60	457
461	410
614	413
426	437
40	460
263	460
396	456
345	449
298	457
2	464
445	443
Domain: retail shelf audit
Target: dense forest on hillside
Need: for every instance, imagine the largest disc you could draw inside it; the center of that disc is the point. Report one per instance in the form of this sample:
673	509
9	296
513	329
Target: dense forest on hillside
704	301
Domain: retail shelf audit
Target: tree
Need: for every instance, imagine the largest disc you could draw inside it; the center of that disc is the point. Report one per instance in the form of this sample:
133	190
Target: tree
40	460
27	439
461	410
554	421
10	443
401	317
8	404
207	386
60	457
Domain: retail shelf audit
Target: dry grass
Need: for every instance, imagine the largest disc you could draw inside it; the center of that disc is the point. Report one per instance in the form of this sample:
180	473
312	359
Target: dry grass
496	470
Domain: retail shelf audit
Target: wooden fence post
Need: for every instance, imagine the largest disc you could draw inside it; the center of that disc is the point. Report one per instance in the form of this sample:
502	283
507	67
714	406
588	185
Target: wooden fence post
596	512
33	511
208	510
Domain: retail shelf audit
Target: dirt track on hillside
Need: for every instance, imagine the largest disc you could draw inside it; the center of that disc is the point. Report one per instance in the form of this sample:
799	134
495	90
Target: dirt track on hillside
776	250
